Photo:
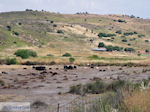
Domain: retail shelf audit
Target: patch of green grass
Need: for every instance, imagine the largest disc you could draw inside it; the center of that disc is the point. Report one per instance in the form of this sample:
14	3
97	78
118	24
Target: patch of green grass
94	57
11	61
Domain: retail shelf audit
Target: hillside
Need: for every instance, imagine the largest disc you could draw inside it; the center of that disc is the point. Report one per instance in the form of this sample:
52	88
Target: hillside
55	34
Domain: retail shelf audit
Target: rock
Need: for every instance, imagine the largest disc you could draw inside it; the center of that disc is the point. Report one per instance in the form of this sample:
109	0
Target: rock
97	68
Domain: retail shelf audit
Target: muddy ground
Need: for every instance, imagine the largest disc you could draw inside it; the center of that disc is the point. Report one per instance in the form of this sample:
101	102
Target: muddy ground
23	83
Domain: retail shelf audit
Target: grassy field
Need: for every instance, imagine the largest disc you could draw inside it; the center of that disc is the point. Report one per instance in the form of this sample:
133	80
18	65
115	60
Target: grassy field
39	31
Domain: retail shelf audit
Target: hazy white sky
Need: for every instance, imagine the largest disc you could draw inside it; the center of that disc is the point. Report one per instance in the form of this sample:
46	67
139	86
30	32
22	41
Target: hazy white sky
136	7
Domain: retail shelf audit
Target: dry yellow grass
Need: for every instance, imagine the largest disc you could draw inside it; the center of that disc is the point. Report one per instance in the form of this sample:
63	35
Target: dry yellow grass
139	101
8	97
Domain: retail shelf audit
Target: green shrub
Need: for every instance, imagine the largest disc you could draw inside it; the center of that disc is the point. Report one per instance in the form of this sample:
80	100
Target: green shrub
71	60
139	54
51	21
52	63
129	44
101	44
119	32
121	21
60	31
2	83
132	16
95	88
113	48
129	33
147	51
20	23
28	10
141	35
25	53
32	53
15	33
109	48
38	104
94	57
30	63
67	55
129	49
124	40
54	25
50	55
76	89
116	85
146	41
9	28
117	48
106	35
132	39
99	87
11	61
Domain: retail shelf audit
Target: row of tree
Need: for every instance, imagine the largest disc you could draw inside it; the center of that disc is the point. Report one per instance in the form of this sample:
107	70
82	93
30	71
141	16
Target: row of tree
115	48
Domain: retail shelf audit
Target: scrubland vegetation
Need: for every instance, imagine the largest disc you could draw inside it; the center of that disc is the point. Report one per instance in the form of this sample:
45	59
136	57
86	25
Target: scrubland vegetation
120	96
49	33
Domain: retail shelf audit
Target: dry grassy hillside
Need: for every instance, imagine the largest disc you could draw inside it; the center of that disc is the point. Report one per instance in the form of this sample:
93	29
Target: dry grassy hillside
55	34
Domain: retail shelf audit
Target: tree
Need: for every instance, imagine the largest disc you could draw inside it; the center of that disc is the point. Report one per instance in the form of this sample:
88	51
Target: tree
54	25
124	40
67	55
15	33
121	21
147	51
9	28
60	31
29	10
101	44
25	53
106	35
51	21
109	48
20	23
129	50
117	48
129	33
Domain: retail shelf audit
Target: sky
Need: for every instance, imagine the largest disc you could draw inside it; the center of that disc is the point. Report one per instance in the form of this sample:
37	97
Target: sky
138	8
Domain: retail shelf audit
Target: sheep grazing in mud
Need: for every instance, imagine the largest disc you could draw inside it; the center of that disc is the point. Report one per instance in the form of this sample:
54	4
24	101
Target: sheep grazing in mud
69	67
92	66
55	73
39	68
44	72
